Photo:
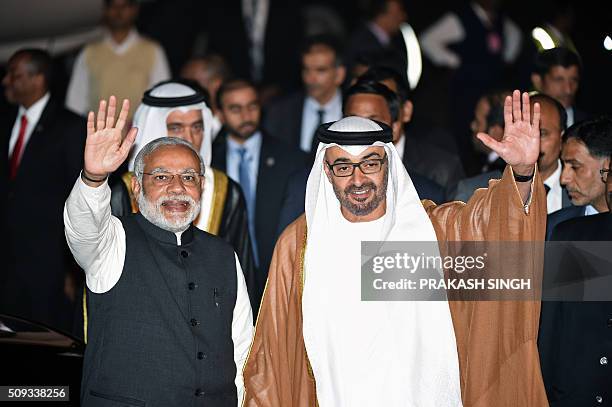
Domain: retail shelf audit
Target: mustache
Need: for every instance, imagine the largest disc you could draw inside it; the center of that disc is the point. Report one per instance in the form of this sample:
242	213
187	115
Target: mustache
247	124
354	188
180	197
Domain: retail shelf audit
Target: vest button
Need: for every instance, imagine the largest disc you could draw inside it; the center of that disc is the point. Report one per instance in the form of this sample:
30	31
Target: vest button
603	361
194	322
192	286
199	392
201	355
184	253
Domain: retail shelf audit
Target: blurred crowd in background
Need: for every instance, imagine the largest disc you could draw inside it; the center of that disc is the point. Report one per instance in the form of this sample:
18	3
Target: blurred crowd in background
277	70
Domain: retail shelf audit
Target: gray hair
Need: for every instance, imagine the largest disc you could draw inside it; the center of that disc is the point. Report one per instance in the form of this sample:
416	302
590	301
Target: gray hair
152	146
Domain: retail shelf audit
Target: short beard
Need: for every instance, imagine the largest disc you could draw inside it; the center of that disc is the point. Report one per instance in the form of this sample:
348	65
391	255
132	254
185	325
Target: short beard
362	209
152	211
241	135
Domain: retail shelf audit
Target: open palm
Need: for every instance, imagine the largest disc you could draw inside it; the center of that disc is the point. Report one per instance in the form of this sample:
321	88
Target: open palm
520	146
105	148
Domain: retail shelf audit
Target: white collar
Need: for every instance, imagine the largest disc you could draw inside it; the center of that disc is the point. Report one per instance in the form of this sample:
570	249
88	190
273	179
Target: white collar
121	48
34	112
553	180
336	100
590	210
400	146
482	15
380	34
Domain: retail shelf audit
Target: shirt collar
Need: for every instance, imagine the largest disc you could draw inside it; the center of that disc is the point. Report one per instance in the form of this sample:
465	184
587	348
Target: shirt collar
590	210
252	144
336	100
570	116
553	180
165	236
400	145
34	112
379	33
131	38
481	14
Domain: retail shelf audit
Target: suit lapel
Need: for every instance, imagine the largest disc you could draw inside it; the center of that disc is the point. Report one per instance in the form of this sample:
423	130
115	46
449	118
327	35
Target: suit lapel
297	122
565	199
40	137
219	152
8	121
266	171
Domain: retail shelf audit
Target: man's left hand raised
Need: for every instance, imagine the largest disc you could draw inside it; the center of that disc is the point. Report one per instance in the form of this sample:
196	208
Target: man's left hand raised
520	146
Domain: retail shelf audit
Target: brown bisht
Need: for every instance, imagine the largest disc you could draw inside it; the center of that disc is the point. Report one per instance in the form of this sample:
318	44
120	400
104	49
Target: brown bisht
496	340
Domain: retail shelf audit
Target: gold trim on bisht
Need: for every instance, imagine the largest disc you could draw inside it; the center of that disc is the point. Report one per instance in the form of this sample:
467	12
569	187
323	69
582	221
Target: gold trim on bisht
127	180
85	314
302	280
218	202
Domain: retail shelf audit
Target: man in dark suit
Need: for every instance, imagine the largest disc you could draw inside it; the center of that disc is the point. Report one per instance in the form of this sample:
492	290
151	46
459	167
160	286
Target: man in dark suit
419	155
575	338
43	154
375	101
552	125
586	151
261	165
295	118
380	34
257	38
557	74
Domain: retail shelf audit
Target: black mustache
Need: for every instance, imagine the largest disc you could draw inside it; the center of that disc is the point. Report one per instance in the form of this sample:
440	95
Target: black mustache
354	188
246	124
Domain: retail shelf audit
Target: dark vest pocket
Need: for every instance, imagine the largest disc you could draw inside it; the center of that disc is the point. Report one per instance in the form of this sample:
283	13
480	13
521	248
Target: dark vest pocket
120	400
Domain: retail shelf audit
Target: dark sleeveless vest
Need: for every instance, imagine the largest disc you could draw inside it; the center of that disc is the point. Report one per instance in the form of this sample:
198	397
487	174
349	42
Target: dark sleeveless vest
162	336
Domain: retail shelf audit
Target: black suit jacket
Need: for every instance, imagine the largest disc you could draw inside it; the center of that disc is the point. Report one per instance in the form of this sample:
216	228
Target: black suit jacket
295	195
227	37
562	215
364	42
579	115
575	338
38	258
277	164
436	164
283	119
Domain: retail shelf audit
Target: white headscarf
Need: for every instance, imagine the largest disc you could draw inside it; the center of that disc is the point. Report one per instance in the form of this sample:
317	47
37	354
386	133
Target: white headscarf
151	120
151	124
384	353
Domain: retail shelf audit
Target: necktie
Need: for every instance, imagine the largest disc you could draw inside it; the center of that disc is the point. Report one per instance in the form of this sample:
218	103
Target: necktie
547	188
17	150
245	183
314	142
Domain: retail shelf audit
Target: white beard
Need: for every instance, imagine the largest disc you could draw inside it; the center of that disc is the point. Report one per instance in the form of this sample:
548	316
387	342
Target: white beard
152	211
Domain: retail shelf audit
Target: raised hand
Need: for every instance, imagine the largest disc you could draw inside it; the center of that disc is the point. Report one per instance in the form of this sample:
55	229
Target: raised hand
105	149
520	146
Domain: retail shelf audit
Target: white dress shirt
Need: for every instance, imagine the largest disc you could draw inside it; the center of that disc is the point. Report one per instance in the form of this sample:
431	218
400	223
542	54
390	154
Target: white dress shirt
400	146
554	198
310	117
570	116
449	30
77	95
590	210
97	240
33	114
